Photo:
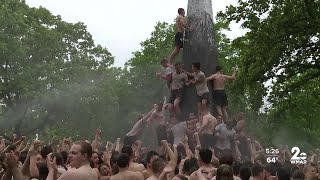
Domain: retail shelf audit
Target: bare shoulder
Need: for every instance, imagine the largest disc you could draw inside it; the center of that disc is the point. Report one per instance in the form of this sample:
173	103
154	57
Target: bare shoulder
193	176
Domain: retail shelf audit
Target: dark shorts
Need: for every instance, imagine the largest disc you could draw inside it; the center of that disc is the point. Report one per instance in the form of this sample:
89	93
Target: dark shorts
204	96
207	141
220	98
178	39
175	94
161	133
129	140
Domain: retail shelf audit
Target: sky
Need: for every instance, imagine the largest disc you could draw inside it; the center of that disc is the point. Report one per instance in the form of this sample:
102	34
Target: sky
120	25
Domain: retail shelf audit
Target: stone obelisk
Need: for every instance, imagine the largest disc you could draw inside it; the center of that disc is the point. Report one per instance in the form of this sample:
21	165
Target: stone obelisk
200	47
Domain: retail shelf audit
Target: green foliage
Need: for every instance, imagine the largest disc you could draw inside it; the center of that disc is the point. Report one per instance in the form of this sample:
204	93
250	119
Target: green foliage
279	57
51	72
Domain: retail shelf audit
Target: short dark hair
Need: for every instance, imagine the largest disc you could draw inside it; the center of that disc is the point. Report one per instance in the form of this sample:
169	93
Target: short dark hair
226	158
177	64
245	173
157	165
180	10
224	171
150	155
190	166
127	150
85	148
218	68
196	65
298	174
236	168
123	160
283	174
45	151
205	155
256	170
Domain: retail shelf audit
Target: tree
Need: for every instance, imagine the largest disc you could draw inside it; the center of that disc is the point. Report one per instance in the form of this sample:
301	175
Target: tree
279	58
51	71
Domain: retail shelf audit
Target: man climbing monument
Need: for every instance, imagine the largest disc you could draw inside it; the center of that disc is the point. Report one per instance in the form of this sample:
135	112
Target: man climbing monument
220	99
181	25
201	85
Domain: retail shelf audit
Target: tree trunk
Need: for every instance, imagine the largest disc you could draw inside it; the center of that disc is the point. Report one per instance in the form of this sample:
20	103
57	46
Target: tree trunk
199	47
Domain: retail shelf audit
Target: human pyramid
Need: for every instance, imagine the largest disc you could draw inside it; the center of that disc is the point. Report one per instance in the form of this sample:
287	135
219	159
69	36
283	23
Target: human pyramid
201	147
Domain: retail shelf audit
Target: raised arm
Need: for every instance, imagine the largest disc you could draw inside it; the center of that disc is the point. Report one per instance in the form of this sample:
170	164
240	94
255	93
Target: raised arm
211	77
233	77
145	118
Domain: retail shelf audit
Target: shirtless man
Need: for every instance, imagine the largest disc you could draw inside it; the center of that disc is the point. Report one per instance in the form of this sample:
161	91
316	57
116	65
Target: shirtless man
205	165
159	119
136	131
160	169
132	165
178	80
200	82
219	94
180	129
166	75
178	38
207	129
151	156
241	124
124	172
80	155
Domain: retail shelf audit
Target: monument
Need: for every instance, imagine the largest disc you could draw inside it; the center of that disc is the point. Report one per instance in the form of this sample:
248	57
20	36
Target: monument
199	47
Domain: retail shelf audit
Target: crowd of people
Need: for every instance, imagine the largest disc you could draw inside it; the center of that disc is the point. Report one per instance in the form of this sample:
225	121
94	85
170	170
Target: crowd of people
203	147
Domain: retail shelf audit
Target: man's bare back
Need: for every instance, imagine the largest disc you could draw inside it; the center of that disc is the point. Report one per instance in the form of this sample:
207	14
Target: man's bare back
212	123
83	173
127	175
219	80
180	20
135	167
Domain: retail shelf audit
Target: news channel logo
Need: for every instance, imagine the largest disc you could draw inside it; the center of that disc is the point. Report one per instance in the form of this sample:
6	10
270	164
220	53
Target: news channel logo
298	157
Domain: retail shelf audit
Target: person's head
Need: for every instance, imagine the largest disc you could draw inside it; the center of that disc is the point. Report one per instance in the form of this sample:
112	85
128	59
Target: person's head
164	63
95	159
190	166
59	158
195	67
43	170
104	170
174	119
39	160
205	107
224	172
298	175
219	119
45	151
245	173
159	106
231	124
123	160
158	165
258	172
179	177
181	12
23	156
151	156
283	174
114	157
236	168
205	156
80	154
128	150
218	69
192	116
178	67
226	158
